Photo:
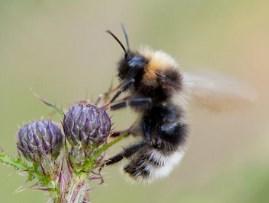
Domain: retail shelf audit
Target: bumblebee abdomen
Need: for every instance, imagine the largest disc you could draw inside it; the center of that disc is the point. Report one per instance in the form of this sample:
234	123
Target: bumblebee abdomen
152	165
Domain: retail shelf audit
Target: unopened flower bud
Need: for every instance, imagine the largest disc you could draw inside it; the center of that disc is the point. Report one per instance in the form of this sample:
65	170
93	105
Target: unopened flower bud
86	125
40	139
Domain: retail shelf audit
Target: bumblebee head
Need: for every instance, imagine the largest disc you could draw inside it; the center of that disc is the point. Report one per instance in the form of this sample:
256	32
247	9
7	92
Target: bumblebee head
132	64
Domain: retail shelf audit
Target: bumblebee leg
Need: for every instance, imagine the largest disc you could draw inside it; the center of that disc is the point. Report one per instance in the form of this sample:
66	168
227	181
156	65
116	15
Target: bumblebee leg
119	105
126	153
134	130
104	97
140	102
132	102
122	89
118	133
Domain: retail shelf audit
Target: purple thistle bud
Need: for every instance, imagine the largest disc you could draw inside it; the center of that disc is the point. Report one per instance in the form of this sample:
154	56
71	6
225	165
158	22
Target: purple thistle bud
86	124
40	139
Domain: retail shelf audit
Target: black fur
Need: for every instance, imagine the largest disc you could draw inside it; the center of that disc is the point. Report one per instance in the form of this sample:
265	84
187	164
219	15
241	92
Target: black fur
163	132
161	123
132	66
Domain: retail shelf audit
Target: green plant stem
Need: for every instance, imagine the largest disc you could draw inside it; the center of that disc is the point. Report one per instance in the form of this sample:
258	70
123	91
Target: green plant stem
77	192
91	162
105	147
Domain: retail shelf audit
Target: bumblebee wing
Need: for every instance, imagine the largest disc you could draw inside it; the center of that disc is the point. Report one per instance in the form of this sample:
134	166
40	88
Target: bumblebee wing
217	92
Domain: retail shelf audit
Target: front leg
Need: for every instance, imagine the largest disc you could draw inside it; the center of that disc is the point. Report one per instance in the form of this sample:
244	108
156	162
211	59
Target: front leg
122	88
103	98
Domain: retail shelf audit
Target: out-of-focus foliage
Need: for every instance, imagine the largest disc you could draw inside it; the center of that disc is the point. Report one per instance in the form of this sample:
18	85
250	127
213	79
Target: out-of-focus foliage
59	50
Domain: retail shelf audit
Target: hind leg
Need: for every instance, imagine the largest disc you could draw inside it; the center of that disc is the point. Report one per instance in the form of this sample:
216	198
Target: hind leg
137	168
126	153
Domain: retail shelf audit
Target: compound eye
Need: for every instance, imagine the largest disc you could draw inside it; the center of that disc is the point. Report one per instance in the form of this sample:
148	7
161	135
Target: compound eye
137	61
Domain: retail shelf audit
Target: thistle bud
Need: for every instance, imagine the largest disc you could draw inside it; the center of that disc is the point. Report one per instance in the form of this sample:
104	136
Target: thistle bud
40	139
86	125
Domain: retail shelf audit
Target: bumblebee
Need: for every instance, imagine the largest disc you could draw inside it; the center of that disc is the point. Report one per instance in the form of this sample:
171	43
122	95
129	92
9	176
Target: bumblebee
155	87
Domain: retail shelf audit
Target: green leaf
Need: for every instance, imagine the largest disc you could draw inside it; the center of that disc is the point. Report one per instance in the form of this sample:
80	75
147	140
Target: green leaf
16	163
32	170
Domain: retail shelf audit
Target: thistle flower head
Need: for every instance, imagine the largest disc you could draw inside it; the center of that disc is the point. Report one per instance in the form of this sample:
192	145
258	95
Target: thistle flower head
40	139
86	125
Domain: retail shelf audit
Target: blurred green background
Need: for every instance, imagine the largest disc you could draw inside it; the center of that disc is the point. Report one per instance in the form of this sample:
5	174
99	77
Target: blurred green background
59	50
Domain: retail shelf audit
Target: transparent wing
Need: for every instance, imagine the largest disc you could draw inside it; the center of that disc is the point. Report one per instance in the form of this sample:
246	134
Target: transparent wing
217	92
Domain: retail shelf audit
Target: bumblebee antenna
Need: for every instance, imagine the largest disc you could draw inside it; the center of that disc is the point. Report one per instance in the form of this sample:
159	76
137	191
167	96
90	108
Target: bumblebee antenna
117	39
125	36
